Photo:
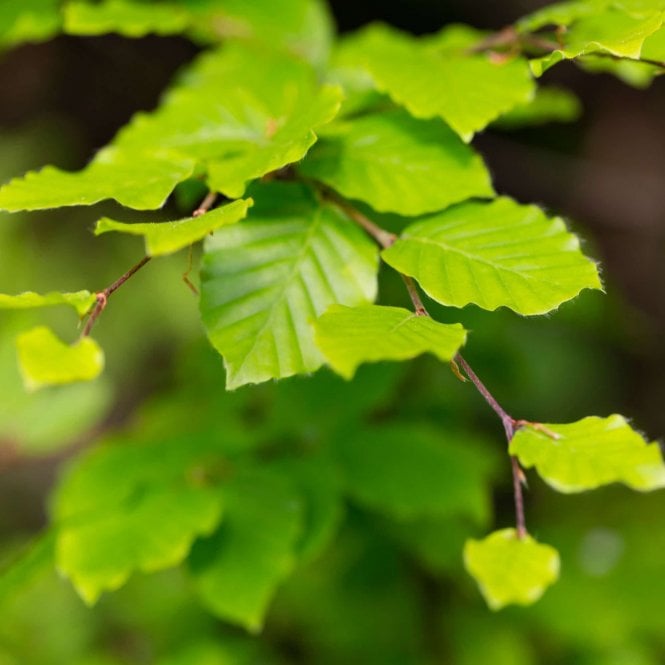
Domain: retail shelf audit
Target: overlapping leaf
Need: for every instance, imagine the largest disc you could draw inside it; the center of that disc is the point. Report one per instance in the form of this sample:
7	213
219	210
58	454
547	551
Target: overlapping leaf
44	360
590	453
350	336
125	508
494	254
264	282
511	570
81	301
167	237
397	163
238	569
550	104
467	90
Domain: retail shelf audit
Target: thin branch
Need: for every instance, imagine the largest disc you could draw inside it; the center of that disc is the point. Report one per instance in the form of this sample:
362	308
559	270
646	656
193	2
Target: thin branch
103	296
205	205
415	296
518	481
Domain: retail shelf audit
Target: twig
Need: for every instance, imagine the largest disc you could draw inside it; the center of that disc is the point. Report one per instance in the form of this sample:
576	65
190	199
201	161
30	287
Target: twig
103	296
206	204
518	480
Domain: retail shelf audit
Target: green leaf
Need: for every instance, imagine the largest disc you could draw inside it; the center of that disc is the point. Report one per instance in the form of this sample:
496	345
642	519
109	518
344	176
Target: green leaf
511	570
238	569
654	46
45	361
125	508
350	336
81	301
167	237
590	453
468	91
140	179
411	472
550	104
28	21
397	163
264	121
494	254
264	281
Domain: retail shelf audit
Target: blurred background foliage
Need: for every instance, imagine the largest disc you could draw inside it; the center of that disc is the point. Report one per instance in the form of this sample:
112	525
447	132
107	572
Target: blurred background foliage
387	590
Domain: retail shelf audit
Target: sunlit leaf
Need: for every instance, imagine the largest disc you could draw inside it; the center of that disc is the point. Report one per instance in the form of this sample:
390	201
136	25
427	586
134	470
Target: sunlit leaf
44	360
494	254
264	281
350	336
397	163
550	104
590	453
511	570
28	21
81	301
168	237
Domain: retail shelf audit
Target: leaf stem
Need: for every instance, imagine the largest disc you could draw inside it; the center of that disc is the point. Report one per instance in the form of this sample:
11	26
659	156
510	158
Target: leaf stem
205	205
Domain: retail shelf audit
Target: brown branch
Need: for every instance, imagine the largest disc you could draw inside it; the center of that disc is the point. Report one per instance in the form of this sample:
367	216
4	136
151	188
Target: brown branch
205	205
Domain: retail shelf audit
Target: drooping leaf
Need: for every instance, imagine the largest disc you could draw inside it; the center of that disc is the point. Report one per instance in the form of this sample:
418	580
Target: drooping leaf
264	121
140	179
590	453
167	237
550	104
28	21
397	163
132	507
411	471
264	282
238	569
467	90
511	570
350	336
81	301
494	254
44	360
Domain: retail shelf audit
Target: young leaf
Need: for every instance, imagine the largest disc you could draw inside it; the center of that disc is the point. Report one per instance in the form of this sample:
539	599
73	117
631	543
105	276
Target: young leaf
467	90
494	254
81	301
140	179
411	472
264	281
167	237
238	569
550	104
511	570
46	361
350	336
125	508
397	163
590	453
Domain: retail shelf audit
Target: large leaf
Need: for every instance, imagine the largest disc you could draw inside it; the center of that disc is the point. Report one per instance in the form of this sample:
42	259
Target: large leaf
140	178
264	281
81	301
467	90
44	360
511	570
238	569
590	453
263	121
411	471
350	336
397	163
494	254
167	237
125	508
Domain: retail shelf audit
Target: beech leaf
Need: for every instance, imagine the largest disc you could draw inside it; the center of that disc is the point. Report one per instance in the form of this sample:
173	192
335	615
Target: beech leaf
81	301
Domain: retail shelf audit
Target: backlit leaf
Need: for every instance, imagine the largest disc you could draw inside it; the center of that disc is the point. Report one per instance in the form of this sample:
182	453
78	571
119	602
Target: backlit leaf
590	453
350	336
264	282
397	163
167	237
44	360
81	301
511	570
550	104
494	254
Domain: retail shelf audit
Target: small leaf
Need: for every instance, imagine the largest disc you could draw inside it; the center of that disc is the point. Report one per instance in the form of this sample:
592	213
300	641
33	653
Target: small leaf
139	179
238	569
397	163
81	301
511	570
494	254
28	21
167	237
264	281
350	336
466	90
590	453
550	104
45	361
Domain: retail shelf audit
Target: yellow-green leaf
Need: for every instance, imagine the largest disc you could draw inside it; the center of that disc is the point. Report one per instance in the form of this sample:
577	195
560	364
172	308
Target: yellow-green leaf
81	301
